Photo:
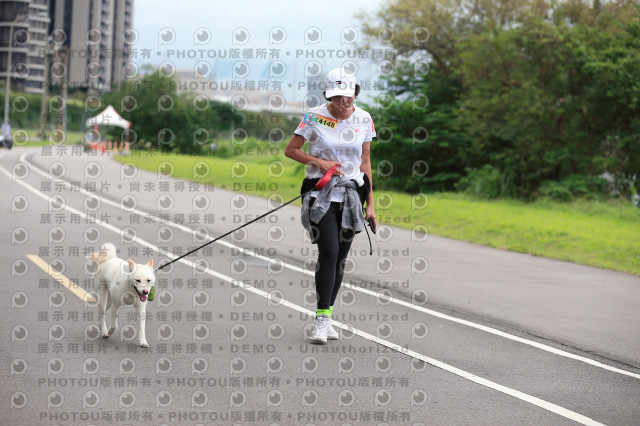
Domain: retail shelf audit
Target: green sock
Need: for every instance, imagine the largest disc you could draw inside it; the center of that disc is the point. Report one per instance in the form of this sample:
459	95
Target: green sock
323	311
330	310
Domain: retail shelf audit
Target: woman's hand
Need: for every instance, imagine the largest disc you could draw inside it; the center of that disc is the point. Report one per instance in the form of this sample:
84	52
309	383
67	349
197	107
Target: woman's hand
295	152
370	213
326	165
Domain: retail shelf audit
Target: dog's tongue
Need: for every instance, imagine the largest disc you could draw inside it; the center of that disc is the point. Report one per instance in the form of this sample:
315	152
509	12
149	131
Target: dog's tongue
143	297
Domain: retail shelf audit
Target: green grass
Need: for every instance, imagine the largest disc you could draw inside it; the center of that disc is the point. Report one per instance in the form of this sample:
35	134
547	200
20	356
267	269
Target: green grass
257	180
601	234
33	138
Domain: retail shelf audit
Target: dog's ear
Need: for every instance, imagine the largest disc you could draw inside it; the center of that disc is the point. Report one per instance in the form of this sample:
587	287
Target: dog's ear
150	263
132	265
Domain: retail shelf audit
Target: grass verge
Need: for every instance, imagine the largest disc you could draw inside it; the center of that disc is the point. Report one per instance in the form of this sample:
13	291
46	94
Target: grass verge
601	234
31	137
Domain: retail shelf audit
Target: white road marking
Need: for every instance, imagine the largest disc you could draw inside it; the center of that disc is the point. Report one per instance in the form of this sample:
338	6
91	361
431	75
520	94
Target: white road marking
561	411
418	308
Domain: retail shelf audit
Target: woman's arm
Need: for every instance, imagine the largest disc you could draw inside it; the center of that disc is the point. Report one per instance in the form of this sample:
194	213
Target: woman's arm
295	152
365	167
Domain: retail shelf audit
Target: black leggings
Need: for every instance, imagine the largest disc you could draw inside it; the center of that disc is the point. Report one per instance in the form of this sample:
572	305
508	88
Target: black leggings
334	243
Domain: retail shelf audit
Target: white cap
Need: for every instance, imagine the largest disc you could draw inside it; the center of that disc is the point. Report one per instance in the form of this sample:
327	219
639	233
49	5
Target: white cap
340	82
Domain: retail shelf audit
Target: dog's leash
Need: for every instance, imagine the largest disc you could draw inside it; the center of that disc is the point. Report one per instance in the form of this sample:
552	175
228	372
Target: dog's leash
321	184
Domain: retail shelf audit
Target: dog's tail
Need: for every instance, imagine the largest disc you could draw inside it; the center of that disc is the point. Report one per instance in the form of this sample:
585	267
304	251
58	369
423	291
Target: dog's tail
107	251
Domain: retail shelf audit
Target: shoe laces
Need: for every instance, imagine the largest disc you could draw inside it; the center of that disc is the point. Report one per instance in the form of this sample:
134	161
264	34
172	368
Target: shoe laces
322	322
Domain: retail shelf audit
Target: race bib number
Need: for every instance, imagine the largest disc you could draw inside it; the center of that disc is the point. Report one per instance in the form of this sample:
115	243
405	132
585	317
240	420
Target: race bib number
320	120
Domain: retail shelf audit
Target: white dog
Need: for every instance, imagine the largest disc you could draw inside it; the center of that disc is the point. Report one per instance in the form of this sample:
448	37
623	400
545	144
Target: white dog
119	279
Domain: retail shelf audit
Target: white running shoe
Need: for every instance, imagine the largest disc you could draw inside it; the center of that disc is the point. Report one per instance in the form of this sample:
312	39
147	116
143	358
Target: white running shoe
320	326
332	334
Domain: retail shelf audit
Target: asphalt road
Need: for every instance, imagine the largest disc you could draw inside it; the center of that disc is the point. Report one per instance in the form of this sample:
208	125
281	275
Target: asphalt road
434	331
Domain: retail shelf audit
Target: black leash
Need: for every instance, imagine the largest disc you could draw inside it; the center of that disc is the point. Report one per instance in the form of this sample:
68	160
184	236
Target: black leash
321	184
373	229
234	230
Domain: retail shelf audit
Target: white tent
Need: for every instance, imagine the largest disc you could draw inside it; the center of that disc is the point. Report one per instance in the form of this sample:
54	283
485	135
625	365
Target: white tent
109	117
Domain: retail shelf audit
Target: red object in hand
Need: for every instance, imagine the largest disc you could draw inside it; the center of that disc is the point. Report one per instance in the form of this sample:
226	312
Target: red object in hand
326	178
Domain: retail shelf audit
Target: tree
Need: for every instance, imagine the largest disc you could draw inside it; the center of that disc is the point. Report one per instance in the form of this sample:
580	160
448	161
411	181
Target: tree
546	101
446	22
419	142
147	104
537	91
608	100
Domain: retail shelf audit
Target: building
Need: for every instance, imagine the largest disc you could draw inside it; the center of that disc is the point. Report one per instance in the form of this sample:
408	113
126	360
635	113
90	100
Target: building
89	41
23	33
92	38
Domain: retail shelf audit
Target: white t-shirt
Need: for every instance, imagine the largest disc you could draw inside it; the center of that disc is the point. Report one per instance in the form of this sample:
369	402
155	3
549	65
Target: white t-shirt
333	140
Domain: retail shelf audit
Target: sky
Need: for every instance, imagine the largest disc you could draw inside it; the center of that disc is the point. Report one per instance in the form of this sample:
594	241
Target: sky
273	41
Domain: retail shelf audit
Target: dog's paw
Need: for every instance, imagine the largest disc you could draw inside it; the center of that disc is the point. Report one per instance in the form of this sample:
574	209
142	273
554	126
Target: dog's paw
105	335
144	344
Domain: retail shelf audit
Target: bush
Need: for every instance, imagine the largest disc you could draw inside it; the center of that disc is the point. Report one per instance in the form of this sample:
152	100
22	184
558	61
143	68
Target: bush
24	112
575	186
487	182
